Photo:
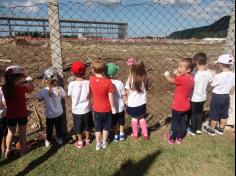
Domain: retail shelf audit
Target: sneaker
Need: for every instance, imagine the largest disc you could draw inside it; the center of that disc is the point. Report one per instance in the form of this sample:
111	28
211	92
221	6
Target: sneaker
79	145
209	131
87	142
98	146
198	132
47	143
146	138
122	137
179	140
134	137
59	141
116	138
191	132
104	144
170	141
219	130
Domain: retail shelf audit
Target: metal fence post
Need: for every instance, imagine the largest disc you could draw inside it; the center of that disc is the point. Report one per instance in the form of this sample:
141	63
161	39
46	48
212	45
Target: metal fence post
230	49
55	43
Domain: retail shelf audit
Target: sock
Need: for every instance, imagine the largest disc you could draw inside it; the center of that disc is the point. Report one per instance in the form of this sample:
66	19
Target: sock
143	126
134	125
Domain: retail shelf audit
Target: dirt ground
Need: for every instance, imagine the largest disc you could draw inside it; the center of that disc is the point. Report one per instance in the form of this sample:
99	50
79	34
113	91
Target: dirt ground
158	57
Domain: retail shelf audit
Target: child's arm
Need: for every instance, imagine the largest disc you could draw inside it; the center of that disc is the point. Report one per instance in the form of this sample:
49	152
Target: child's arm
112	103
169	78
40	96
232	90
30	84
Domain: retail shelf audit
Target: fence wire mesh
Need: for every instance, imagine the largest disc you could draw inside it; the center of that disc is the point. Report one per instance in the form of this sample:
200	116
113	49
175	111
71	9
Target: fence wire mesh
157	32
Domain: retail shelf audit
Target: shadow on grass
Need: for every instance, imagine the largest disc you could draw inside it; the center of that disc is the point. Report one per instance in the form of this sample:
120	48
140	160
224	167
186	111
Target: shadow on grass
35	163
130	168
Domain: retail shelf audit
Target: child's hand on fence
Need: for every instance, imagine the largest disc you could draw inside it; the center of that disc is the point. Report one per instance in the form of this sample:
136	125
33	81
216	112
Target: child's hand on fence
176	72
167	73
29	79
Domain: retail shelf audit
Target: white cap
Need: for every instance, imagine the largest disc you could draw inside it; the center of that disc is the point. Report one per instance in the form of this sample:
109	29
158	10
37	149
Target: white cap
226	59
50	74
14	69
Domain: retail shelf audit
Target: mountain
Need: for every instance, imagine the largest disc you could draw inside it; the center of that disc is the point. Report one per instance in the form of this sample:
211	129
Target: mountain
218	29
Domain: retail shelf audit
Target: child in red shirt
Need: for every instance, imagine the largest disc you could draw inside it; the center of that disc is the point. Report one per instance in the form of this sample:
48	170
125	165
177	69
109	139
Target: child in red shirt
14	92
103	102
181	102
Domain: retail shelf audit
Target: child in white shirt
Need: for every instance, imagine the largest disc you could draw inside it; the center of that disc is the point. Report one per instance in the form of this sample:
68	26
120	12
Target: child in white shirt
223	85
81	104
201	80
52	95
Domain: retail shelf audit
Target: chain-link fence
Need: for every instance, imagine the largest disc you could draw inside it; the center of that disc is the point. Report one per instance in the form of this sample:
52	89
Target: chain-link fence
157	32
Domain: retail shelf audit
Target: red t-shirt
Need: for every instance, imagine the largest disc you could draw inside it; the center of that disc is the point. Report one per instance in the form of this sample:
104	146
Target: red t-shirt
100	88
183	91
16	106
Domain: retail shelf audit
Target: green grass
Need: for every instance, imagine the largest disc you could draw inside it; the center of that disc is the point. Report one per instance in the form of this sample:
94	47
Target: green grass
197	156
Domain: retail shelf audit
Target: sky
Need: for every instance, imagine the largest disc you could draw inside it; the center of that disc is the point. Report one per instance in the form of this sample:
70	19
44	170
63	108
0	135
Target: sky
144	17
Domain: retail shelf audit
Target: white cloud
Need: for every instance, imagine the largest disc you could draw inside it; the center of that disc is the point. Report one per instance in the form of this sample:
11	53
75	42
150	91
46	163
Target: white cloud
27	4
173	2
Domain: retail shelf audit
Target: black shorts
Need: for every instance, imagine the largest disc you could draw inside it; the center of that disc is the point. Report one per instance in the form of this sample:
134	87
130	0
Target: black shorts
219	108
103	121
19	121
118	119
137	112
83	122
3	127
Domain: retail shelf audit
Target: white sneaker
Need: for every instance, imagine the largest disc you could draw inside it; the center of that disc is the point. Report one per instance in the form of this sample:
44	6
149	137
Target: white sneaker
47	143
104	144
59	141
98	146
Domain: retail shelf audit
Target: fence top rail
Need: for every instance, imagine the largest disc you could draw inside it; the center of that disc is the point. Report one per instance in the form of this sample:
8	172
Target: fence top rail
62	20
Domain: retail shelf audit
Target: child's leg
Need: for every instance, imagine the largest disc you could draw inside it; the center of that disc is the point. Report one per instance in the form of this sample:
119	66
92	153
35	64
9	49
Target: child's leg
181	126
176	116
22	136
121	129
98	136
200	115
10	133
143	125
134	125
104	135
223	123
213	124
194	116
49	129
58	121
87	135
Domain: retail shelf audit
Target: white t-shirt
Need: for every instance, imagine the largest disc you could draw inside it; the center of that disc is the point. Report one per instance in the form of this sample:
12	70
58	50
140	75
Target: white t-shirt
120	91
201	80
223	82
53	106
81	97
2	106
136	99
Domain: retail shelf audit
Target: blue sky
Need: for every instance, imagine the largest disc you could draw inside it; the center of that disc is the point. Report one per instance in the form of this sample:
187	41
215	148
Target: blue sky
145	17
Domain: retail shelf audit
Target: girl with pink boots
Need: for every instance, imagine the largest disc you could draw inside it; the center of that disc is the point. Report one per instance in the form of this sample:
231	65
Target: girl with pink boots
136	87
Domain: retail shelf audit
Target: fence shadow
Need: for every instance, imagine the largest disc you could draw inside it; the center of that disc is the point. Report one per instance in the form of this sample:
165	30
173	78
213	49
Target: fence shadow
35	163
130	168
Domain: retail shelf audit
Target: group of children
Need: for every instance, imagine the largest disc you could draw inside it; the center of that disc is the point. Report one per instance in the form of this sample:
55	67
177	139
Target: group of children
101	101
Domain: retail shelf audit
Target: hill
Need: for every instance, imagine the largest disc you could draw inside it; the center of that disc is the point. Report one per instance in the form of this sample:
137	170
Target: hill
216	30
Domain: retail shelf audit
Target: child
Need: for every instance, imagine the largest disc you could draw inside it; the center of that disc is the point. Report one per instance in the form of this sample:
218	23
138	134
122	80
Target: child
201	79
3	124
120	97
52	95
223	84
181	102
103	103
14	93
81	103
136	87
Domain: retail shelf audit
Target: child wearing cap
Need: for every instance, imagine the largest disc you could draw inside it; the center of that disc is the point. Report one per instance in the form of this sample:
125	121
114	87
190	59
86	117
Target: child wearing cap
14	93
202	78
103	102
52	95
120	98
81	104
181	101
223	85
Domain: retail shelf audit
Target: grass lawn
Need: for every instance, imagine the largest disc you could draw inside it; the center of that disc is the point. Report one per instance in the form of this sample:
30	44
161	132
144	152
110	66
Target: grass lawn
197	156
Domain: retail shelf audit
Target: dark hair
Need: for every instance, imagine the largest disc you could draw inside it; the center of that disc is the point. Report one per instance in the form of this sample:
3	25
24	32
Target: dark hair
189	62
200	58
138	77
9	86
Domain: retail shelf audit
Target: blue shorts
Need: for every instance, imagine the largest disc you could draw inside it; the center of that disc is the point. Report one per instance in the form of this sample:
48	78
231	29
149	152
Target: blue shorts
103	121
219	108
83	122
118	119
137	112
